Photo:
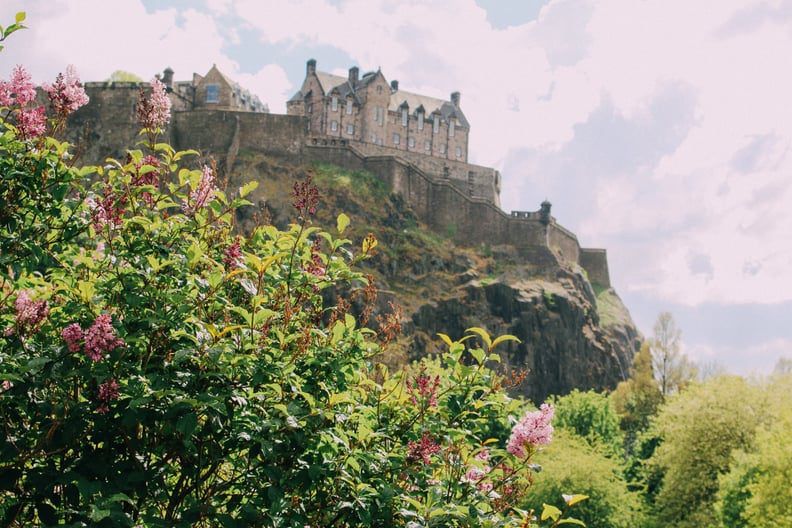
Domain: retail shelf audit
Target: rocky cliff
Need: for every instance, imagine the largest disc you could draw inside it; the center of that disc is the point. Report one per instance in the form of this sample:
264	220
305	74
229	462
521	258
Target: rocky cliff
572	334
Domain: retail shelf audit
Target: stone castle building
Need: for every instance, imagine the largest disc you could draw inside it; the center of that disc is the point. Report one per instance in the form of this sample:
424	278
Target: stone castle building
370	110
418	145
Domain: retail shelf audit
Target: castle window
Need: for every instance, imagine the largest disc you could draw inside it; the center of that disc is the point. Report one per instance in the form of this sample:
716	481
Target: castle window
427	145
349	107
442	148
379	89
404	116
335	104
420	120
459	152
379	115
373	138
411	141
212	93
436	125
350	129
334	125
396	139
379	141
451	128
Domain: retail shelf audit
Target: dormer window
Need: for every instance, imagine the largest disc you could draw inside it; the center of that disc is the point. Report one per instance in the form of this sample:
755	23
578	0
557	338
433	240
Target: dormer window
420	120
212	93
335	103
451	127
349	107
404	116
436	124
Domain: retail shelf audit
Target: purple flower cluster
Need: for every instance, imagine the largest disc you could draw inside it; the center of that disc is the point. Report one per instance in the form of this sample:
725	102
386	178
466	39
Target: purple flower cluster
29	314
99	339
67	94
20	90
424	390
316	266
106	210
232	255
534	429
108	391
422	450
147	178
203	194
154	112
306	197
477	474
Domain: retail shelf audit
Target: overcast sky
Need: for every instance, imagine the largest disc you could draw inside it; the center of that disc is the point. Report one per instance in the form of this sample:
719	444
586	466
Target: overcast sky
660	130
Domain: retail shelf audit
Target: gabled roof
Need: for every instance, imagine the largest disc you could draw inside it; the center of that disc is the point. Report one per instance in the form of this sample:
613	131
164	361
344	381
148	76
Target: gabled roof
430	105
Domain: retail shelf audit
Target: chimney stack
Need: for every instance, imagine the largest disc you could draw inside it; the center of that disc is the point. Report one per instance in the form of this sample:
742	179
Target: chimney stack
310	67
394	86
353	74
455	99
167	77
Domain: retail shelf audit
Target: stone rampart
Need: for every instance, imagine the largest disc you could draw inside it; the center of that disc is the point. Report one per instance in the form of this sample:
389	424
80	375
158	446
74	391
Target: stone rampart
457	199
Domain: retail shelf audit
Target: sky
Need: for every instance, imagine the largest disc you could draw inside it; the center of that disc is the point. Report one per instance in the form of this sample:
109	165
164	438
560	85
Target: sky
660	130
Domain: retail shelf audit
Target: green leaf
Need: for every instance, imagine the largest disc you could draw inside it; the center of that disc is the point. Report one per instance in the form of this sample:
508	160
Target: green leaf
570	520
20	17
483	334
500	339
446	339
550	512
571	500
342	222
247	188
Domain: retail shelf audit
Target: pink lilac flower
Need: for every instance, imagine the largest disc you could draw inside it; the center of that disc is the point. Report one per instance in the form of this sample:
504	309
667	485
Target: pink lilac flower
424	390
6	385
421	451
31	123
100	338
147	178
306	197
20	90
107	210
73	335
29	314
232	255
202	195
154	111
315	266
108	391
534	429
67	94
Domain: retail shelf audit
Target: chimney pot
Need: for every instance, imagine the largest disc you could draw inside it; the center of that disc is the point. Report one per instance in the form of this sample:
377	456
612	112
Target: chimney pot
395	86
455	99
310	67
353	74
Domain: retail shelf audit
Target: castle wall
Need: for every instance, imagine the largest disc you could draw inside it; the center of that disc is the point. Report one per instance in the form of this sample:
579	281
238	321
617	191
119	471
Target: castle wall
595	262
456	199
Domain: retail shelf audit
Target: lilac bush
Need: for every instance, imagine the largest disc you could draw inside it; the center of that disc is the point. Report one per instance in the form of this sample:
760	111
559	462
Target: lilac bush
159	368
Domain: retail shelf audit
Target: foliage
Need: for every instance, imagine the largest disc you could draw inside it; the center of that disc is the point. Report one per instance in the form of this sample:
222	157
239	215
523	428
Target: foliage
701	428
591	416
124	76
637	400
672	369
570	461
158	369
756	490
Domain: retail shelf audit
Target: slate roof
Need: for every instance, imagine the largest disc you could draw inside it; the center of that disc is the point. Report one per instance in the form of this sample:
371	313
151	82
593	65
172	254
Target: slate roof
330	82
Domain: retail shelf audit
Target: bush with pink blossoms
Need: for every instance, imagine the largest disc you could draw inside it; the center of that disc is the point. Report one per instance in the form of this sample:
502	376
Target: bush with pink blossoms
186	374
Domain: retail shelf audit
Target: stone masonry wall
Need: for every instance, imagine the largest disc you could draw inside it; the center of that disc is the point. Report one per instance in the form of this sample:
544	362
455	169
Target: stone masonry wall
453	198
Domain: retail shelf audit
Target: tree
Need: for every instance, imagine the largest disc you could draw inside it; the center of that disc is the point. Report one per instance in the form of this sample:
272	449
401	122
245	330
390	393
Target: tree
570	459
591	416
672	369
701	429
124	76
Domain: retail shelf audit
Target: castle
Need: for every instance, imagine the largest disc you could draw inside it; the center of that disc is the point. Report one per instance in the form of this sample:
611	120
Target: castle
374	123
368	109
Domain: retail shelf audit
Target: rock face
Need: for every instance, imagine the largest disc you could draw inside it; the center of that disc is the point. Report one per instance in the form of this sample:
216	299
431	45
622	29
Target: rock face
562	343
